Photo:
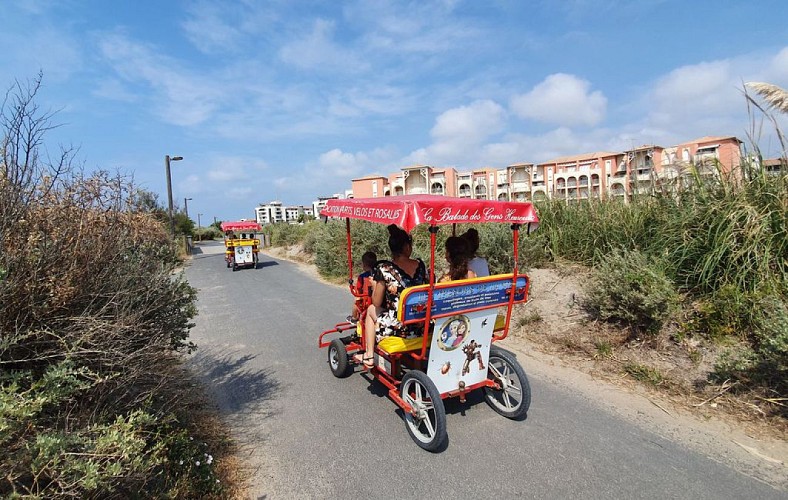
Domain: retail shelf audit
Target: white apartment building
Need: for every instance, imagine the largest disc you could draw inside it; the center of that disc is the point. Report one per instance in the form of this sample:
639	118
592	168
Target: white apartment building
274	212
270	213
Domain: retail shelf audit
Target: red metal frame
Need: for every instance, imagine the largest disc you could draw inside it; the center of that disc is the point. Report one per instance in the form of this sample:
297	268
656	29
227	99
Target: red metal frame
416	358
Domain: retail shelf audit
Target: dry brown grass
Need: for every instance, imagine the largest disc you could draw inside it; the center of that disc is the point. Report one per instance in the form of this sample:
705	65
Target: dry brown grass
676	370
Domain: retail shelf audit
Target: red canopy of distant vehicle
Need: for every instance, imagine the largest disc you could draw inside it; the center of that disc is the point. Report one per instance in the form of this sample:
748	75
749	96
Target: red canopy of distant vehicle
411	210
241	226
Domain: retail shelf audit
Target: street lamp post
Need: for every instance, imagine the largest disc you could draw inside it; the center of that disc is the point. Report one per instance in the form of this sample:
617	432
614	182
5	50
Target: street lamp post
167	160
186	206
198	221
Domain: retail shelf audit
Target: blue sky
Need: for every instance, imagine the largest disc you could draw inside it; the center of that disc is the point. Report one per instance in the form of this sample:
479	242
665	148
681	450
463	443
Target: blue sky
291	99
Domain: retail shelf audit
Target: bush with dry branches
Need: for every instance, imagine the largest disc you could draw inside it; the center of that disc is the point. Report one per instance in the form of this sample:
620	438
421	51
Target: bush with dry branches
92	316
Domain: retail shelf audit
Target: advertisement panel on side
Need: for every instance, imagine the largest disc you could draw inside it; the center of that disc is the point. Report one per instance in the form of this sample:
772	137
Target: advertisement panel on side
460	349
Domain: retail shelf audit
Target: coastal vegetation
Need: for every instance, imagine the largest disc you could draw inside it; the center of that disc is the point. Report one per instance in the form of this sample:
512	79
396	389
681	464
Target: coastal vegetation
94	402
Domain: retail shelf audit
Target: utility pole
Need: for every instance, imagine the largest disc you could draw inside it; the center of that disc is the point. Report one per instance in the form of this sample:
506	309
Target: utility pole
167	160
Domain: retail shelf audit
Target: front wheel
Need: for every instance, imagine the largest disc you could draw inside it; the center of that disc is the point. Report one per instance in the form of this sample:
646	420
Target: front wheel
337	359
513	399
427	423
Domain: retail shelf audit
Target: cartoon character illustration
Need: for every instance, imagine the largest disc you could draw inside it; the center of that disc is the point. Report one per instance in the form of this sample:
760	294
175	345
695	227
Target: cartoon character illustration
462	330
453	332
471	351
445	368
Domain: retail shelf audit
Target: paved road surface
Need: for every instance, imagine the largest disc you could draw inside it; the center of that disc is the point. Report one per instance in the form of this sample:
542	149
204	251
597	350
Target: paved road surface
307	434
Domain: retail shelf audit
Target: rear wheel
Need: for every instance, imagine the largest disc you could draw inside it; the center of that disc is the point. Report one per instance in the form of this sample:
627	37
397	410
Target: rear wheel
513	399
337	359
427	423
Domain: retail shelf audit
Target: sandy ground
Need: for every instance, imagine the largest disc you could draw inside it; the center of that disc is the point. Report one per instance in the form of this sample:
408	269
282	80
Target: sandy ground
754	448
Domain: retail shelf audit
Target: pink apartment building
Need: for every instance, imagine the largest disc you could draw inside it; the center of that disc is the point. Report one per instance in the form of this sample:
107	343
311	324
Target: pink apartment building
591	175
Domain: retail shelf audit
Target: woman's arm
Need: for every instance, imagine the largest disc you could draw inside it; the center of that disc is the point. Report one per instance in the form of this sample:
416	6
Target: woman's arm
378	293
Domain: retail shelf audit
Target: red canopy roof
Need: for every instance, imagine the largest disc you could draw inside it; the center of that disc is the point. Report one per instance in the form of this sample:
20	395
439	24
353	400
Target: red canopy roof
241	226
411	210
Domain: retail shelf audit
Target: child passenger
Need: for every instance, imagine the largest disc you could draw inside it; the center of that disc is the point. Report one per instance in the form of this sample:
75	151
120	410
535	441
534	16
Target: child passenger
457	255
364	285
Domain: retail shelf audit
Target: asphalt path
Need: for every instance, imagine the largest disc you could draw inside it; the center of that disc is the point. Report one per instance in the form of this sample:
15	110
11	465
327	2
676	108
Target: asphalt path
306	434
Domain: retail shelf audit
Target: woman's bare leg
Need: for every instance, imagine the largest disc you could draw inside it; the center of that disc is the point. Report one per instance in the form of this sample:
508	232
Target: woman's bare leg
369	329
369	336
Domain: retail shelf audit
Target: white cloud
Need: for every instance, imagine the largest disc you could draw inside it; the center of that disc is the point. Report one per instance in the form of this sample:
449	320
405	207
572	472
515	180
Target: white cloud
696	90
48	49
332	171
318	51
342	164
236	169
113	89
459	133
778	68
420	28
377	98
562	99
181	98
206	29
469	124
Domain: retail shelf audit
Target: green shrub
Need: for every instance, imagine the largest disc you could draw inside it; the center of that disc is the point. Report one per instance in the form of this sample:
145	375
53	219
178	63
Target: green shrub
207	233
764	361
630	288
92	317
727	313
646	374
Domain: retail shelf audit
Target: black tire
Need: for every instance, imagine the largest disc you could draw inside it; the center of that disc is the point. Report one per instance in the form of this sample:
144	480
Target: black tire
228	265
514	399
428	430
337	359
235	267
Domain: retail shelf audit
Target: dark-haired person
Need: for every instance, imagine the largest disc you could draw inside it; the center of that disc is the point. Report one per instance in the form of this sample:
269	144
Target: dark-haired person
364	284
477	264
457	257
390	277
